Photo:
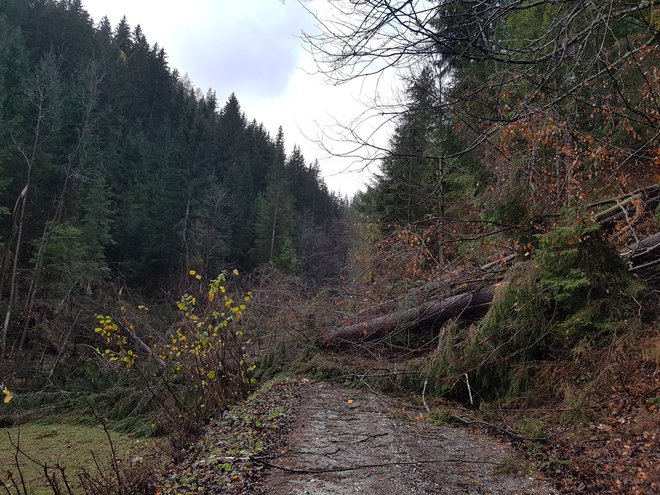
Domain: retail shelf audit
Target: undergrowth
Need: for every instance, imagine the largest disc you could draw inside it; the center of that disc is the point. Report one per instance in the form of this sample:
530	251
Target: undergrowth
562	305
124	400
143	381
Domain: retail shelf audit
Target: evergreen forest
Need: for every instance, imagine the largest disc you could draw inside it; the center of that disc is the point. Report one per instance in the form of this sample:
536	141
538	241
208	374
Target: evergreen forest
116	169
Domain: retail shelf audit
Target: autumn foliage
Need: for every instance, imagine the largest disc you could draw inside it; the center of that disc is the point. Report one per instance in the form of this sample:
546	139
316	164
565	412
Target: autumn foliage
203	353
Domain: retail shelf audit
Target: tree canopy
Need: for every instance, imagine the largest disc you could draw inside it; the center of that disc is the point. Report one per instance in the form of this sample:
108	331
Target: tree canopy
513	109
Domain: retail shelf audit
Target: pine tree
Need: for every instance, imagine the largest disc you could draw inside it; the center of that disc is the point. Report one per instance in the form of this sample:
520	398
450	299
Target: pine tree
275	217
122	39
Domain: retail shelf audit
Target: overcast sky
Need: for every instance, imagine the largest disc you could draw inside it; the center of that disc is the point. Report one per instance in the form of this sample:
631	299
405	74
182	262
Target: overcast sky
253	48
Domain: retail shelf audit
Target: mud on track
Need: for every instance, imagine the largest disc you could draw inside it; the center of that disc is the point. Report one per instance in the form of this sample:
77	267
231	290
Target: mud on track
346	441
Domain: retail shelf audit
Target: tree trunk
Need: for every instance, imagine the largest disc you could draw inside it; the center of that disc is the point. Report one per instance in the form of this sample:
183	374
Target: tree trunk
644	254
272	234
608	217
39	92
472	304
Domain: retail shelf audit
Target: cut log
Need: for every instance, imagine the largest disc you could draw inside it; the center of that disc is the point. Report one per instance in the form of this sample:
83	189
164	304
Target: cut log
467	305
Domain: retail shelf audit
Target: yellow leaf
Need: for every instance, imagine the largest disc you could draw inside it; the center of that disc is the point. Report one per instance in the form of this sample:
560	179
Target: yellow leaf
211	374
8	395
192	273
235	272
198	277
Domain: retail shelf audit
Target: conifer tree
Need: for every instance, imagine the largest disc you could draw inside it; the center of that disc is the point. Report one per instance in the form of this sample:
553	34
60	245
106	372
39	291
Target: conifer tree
131	167
275	218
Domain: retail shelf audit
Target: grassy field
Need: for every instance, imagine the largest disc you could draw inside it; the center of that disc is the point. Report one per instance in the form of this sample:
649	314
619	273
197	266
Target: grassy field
69	445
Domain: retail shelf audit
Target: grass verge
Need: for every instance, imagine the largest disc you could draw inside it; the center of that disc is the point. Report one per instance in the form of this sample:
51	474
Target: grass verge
71	446
226	459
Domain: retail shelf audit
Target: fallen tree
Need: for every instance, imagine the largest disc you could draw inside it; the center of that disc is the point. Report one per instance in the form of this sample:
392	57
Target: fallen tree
463	306
468	305
648	200
643	254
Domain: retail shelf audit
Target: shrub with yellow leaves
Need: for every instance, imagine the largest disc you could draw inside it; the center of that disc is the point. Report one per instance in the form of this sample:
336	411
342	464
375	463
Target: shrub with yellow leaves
7	395
205	351
117	347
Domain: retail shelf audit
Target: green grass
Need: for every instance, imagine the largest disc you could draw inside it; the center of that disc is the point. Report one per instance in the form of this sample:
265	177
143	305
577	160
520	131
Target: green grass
67	444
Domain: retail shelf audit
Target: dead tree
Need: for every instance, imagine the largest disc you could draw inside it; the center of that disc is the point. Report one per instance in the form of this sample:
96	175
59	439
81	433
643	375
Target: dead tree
468	305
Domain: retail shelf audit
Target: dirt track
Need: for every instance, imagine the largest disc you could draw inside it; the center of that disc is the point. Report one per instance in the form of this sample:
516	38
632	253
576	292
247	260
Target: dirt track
346	441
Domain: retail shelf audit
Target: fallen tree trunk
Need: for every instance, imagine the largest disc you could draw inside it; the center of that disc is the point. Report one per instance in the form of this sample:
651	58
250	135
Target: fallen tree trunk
644	254
645	191
467	305
622	212
627	206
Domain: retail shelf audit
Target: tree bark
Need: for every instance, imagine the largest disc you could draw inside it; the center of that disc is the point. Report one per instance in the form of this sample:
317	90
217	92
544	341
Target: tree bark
472	304
644	254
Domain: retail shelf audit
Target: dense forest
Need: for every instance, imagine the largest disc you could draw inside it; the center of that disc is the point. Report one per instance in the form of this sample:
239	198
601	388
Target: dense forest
115	167
520	121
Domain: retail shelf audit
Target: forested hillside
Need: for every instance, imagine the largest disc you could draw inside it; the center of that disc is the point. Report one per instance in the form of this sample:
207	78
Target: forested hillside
526	130
115	167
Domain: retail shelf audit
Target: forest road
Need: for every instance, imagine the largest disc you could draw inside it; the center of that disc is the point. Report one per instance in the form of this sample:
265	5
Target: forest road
346	441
